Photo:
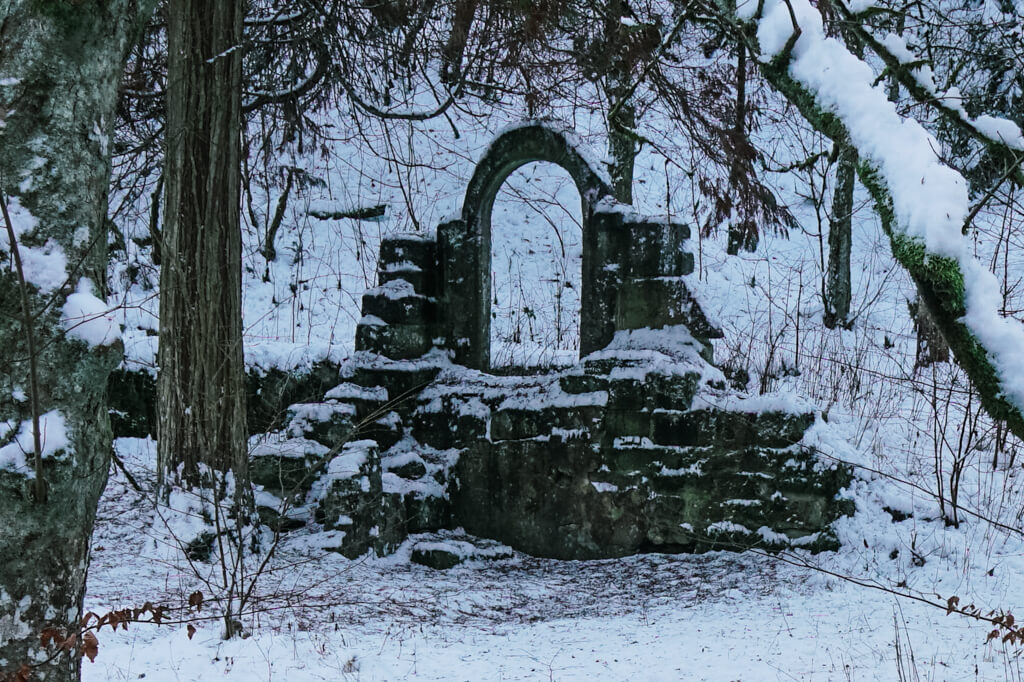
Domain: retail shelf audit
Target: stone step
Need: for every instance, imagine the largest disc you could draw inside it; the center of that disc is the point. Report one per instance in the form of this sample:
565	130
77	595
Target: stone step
279	515
396	341
365	401
329	423
424	282
447	549
728	429
349	497
396	302
414	248
386	429
282	464
402	379
657	302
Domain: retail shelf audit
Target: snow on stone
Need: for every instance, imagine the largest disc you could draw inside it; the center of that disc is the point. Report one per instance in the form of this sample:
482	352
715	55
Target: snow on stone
402	266
535	401
281	445
395	289
788	402
304	415
351	460
88	318
596	162
16	455
930	200
289	357
727	527
604	487
349	391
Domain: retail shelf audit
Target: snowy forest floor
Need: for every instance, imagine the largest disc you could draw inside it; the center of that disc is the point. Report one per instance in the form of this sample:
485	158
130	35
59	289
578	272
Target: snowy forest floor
717	616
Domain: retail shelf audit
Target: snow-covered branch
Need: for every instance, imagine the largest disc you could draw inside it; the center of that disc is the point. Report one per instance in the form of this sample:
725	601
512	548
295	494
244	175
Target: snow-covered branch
922	202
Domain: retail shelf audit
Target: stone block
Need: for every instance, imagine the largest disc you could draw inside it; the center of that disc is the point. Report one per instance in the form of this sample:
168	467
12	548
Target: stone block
386	430
582	383
657	302
352	498
417	250
625	423
364	400
656	250
734	430
426	512
424	282
407	308
282	474
280	523
518	423
395	341
329	423
391	529
444	551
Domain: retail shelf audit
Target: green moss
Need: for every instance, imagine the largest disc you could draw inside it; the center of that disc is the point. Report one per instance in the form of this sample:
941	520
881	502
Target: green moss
943	273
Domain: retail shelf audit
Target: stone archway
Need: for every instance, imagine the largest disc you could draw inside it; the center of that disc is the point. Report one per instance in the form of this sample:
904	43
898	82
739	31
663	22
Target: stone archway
465	243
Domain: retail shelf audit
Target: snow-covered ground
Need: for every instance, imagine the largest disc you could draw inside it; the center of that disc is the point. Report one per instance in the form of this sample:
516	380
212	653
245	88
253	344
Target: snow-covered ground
717	616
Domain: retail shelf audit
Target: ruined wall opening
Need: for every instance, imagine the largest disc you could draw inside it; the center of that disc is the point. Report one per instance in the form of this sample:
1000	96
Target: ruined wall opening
536	269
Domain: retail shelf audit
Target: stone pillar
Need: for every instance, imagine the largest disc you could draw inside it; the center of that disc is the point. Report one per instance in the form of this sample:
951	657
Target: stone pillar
400	317
465	295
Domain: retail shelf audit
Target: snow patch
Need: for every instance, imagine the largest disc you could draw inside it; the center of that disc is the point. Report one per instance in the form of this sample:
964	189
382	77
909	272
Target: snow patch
88	318
53	438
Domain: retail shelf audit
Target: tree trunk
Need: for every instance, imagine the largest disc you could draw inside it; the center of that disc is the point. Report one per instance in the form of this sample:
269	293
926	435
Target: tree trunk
622	59
840	239
60	66
201	389
931	346
742	233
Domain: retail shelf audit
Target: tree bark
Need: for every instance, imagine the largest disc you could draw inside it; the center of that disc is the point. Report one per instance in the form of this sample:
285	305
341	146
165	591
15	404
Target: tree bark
742	233
60	66
201	389
840	240
622	147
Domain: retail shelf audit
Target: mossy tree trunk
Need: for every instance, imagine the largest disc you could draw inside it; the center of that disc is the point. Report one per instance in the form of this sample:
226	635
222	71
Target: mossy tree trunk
838	292
60	65
201	384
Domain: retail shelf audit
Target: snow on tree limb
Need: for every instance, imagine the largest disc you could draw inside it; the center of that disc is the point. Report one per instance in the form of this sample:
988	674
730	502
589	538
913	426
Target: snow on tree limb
922	202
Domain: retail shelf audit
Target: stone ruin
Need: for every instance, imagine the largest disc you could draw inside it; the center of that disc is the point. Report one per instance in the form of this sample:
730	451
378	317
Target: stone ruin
639	447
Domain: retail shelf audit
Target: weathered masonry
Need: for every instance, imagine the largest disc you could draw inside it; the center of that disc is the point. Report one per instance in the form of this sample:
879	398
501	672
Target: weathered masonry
639	447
